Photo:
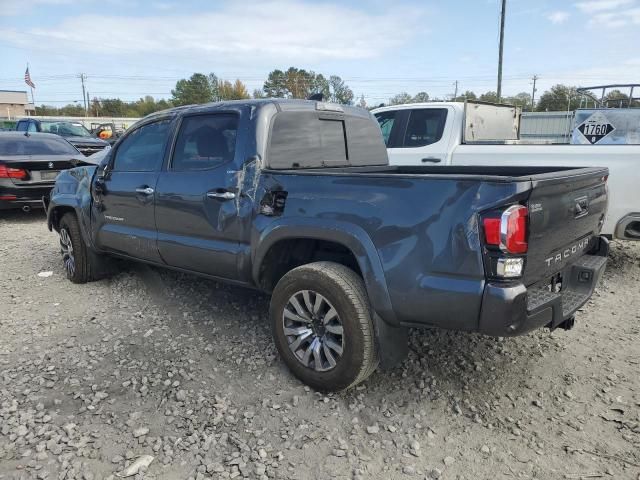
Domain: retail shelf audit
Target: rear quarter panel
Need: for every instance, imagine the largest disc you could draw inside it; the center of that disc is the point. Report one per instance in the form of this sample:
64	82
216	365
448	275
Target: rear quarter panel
423	231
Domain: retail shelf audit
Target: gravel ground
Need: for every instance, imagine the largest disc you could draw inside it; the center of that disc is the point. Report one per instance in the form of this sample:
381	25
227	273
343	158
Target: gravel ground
155	365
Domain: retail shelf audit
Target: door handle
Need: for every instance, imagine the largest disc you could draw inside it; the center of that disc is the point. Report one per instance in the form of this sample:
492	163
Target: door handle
431	160
145	190
222	195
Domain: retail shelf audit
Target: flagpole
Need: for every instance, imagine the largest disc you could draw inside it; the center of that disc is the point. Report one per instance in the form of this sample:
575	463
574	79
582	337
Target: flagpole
33	100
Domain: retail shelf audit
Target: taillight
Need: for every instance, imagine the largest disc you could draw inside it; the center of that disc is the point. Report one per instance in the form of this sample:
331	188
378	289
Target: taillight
8	172
491	231
513	229
509	231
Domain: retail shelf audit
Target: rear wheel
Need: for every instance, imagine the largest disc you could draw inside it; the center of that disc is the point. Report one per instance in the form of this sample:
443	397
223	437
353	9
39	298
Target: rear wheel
76	257
322	326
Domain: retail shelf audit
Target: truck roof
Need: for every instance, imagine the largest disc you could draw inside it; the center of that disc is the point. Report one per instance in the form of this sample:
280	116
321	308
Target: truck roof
459	106
280	103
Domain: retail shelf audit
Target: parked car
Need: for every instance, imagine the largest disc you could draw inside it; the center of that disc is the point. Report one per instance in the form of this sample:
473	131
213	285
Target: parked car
74	132
447	133
296	198
29	165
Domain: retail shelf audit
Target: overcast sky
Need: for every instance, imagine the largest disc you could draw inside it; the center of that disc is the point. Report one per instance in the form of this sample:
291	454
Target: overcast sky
132	48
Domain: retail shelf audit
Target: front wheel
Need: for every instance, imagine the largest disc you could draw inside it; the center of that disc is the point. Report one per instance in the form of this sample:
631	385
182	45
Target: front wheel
76	257
322	326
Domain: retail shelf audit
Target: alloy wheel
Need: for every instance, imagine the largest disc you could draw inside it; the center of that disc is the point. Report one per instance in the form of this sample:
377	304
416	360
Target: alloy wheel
66	248
313	330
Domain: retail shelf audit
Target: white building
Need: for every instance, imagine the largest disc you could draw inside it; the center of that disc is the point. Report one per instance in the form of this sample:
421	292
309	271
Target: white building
15	104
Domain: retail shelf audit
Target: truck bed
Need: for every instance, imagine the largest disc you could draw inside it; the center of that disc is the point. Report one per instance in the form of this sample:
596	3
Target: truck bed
425	224
506	173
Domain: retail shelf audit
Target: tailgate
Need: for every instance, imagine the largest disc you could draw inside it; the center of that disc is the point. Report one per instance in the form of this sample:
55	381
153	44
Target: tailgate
566	212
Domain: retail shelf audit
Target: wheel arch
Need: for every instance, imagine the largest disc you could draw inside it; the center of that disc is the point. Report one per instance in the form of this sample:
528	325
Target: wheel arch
351	237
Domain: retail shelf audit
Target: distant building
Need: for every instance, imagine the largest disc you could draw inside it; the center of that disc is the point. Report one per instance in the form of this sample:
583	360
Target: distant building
15	104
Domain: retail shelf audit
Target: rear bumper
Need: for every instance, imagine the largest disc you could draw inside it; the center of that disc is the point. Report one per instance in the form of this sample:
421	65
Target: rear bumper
23	196
513	309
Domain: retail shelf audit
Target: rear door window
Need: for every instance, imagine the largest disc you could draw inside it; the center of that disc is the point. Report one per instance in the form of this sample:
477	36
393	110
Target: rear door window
386	120
307	139
425	127
205	141
22	126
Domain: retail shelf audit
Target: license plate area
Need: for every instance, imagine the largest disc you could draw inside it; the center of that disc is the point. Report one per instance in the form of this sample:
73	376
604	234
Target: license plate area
49	175
555	283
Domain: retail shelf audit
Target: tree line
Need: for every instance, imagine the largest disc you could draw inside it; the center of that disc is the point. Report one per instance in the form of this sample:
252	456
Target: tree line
299	83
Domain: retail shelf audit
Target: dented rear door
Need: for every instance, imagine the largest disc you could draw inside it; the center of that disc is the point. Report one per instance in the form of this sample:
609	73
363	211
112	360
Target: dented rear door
197	196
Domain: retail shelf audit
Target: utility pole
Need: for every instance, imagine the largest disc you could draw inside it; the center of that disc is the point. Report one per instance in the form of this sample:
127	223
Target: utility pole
88	104
455	95
84	93
501	48
533	93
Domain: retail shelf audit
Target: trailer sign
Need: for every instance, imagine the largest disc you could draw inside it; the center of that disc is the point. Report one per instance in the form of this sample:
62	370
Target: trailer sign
595	128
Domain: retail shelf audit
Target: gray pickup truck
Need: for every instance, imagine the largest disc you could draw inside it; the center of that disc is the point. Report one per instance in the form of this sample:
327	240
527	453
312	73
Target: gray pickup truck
296	198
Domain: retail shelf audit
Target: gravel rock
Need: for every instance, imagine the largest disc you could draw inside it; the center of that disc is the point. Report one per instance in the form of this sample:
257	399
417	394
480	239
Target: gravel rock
183	369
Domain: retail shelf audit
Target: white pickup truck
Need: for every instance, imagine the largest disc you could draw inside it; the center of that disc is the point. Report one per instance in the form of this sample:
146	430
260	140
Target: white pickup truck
452	133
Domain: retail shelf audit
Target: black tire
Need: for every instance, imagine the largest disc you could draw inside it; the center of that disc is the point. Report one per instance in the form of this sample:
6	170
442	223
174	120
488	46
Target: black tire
345	292
82	271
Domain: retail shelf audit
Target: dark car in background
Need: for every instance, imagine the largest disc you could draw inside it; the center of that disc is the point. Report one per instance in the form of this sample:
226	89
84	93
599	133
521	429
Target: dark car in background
74	132
29	165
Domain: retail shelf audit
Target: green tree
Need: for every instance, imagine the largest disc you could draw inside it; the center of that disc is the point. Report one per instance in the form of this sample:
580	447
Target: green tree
559	98
420	97
491	97
232	91
400	99
616	98
522	99
112	107
196	89
339	91
299	83
468	95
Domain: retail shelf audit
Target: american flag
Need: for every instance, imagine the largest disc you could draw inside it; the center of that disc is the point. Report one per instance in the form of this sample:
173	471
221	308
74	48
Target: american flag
27	79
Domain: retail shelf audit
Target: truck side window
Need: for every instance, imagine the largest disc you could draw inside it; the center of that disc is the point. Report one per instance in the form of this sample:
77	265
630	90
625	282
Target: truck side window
143	149
303	139
386	121
205	141
32	127
425	127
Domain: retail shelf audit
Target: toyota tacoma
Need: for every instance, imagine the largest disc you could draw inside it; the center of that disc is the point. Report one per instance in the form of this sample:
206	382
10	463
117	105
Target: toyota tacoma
297	199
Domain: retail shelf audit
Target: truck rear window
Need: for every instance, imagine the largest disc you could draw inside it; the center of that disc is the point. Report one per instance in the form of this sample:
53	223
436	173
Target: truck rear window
304	139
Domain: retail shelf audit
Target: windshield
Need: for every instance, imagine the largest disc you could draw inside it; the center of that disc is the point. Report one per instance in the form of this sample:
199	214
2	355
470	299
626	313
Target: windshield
65	129
33	145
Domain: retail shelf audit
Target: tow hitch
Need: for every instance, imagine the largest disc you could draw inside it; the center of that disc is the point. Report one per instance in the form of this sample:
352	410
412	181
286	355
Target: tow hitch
568	324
